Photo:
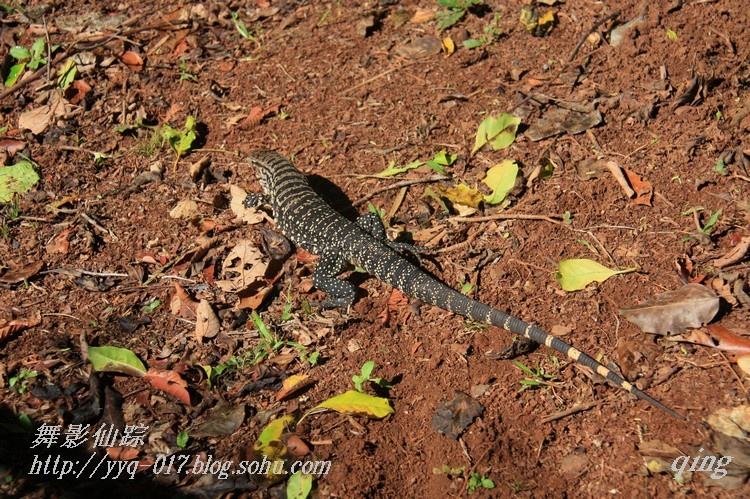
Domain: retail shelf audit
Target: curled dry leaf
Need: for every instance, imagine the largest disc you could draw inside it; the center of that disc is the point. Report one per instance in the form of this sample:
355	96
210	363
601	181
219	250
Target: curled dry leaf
293	384
11	146
181	304
258	114
730	427
735	254
60	243
643	189
185	209
37	120
132	60
19	274
452	418
558	120
207	325
8	328
674	311
169	382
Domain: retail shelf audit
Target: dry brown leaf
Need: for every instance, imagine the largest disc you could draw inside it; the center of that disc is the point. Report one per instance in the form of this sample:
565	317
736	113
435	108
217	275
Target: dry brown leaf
243	266
398	302
674	311
37	120
735	254
60	243
716	336
77	91
185	209
18	274
181	304
293	384
11	146
422	16
250	216
169	382
722	288
207	325
122	453
132	60
643	189
258	114
8	328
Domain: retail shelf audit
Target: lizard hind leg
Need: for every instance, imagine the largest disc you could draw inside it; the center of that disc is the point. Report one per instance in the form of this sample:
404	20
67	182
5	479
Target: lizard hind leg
373	225
340	293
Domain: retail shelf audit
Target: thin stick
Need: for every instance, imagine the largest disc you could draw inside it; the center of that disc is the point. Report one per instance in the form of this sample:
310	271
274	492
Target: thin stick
377	77
398	185
569	412
509	216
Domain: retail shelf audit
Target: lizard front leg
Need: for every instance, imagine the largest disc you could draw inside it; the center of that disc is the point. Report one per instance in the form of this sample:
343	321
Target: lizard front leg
340	293
373	225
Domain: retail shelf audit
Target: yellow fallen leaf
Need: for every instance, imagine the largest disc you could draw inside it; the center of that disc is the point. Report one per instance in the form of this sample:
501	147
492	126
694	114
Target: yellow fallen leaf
464	195
354	402
448	46
269	442
577	273
501	178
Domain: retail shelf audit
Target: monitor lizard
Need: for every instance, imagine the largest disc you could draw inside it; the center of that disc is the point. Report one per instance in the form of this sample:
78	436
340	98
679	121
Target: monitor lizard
305	218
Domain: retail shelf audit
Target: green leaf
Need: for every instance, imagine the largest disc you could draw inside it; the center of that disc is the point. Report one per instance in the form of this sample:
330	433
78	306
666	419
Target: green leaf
180	140
441	160
447	18
20	53
37	49
576	274
501	178
711	222
67	74
151	306
269	442
671	35
182	439
14	72
392	169
498	131
17	178
241	28
299	486
115	360
353	402
472	43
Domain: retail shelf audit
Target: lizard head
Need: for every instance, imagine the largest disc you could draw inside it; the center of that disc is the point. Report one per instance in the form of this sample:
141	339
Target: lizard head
266	164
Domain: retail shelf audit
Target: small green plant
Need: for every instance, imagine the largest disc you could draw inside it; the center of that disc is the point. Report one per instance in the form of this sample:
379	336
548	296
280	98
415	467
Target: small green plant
710	224
182	439
490	34
185	74
454	11
536	377
151	306
477	481
304	355
671	35
26	58
720	167
567	218
286	313
374	209
466	288
20	382
181	141
268	343
67	74
365	374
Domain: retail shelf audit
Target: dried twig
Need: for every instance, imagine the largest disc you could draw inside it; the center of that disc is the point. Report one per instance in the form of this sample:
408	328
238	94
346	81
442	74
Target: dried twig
554	219
398	185
570	411
377	77
593	28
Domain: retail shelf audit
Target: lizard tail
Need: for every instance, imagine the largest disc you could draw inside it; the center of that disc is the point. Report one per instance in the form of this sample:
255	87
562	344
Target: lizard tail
534	333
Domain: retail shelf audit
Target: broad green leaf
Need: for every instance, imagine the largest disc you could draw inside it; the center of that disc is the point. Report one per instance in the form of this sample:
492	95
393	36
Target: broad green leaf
20	53
353	402
498	131
67	74
180	140
299	485
472	43
464	195
447	18
115	360
37	49
15	179
711	222
392	169
501	178
576	274
14	72
269	442
441	160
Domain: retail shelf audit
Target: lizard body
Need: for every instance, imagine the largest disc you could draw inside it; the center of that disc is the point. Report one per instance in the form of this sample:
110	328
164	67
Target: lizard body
305	218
